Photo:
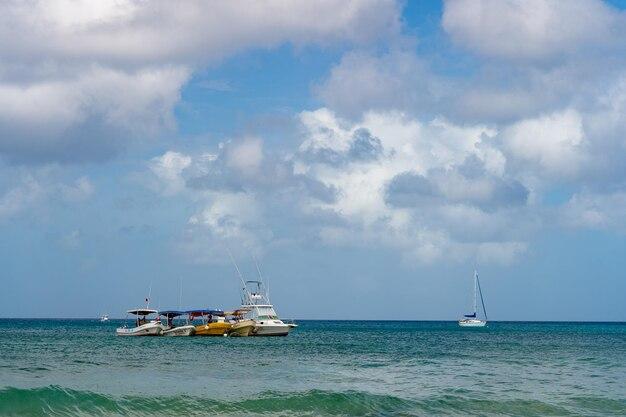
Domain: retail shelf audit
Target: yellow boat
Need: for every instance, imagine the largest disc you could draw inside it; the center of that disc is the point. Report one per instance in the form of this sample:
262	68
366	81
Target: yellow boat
213	323
241	326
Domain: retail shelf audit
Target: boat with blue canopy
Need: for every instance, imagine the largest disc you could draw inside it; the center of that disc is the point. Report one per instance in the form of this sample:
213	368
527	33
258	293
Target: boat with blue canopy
213	322
174	327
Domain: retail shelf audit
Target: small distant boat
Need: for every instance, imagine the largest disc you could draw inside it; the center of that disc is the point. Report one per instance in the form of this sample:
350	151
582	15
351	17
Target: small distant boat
471	320
171	329
104	318
213	322
144	325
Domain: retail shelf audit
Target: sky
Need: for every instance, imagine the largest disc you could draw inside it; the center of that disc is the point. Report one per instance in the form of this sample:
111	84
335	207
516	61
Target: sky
370	154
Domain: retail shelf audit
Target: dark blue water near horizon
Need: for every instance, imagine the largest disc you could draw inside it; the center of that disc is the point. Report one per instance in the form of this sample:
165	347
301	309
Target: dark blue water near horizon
325	368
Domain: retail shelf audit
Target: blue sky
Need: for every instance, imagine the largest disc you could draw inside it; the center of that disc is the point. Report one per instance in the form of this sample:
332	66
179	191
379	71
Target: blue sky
368	153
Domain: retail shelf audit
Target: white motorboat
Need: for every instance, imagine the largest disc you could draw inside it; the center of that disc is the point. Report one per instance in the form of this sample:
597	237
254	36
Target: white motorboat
256	302
176	329
472	320
144	325
104	318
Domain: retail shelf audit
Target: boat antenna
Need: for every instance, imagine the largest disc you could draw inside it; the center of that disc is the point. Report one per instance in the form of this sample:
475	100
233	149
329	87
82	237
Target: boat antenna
243	284
266	284
149	295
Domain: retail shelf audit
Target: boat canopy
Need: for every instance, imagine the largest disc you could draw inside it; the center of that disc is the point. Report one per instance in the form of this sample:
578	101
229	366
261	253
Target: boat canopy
470	315
142	312
204	312
238	312
172	313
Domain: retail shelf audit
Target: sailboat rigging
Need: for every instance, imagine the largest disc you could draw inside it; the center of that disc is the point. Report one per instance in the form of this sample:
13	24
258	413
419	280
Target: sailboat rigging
472	320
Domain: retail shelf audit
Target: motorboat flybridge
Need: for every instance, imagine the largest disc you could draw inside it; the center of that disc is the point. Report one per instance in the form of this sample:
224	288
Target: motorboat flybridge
259	309
471	320
213	322
176	329
144	324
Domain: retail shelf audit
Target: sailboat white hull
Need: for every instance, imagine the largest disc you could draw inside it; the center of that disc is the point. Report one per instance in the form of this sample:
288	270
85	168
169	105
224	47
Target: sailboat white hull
472	323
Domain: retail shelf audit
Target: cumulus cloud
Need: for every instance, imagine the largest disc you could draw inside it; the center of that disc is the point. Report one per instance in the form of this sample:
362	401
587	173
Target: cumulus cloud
533	30
246	156
168	169
81	190
19	197
451	187
596	211
156	32
431	164
406	197
34	190
398	80
78	80
553	143
428	189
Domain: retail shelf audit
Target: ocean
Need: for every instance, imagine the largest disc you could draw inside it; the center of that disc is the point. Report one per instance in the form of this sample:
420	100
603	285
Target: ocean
324	368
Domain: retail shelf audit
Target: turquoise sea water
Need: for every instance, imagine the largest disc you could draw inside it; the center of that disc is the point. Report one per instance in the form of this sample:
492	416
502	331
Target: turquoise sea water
324	368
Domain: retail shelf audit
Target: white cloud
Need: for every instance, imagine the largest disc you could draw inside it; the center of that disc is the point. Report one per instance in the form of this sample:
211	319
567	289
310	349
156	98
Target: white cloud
420	229
226	221
600	211
21	196
168	169
79	79
555	144
80	190
142	32
87	115
338	190
35	190
533	29
246	156
397	80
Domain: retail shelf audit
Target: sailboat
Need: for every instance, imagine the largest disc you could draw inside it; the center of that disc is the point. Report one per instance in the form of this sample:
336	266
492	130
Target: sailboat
471	320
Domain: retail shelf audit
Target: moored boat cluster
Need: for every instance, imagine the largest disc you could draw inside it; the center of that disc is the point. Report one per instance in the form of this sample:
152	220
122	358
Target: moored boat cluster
255	317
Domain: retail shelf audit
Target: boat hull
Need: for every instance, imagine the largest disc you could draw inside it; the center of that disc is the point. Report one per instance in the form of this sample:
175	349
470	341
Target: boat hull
212	329
242	328
472	323
148	329
264	328
179	331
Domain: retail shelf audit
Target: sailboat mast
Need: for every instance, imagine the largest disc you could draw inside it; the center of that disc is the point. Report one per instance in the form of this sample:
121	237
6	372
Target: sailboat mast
481	297
475	287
